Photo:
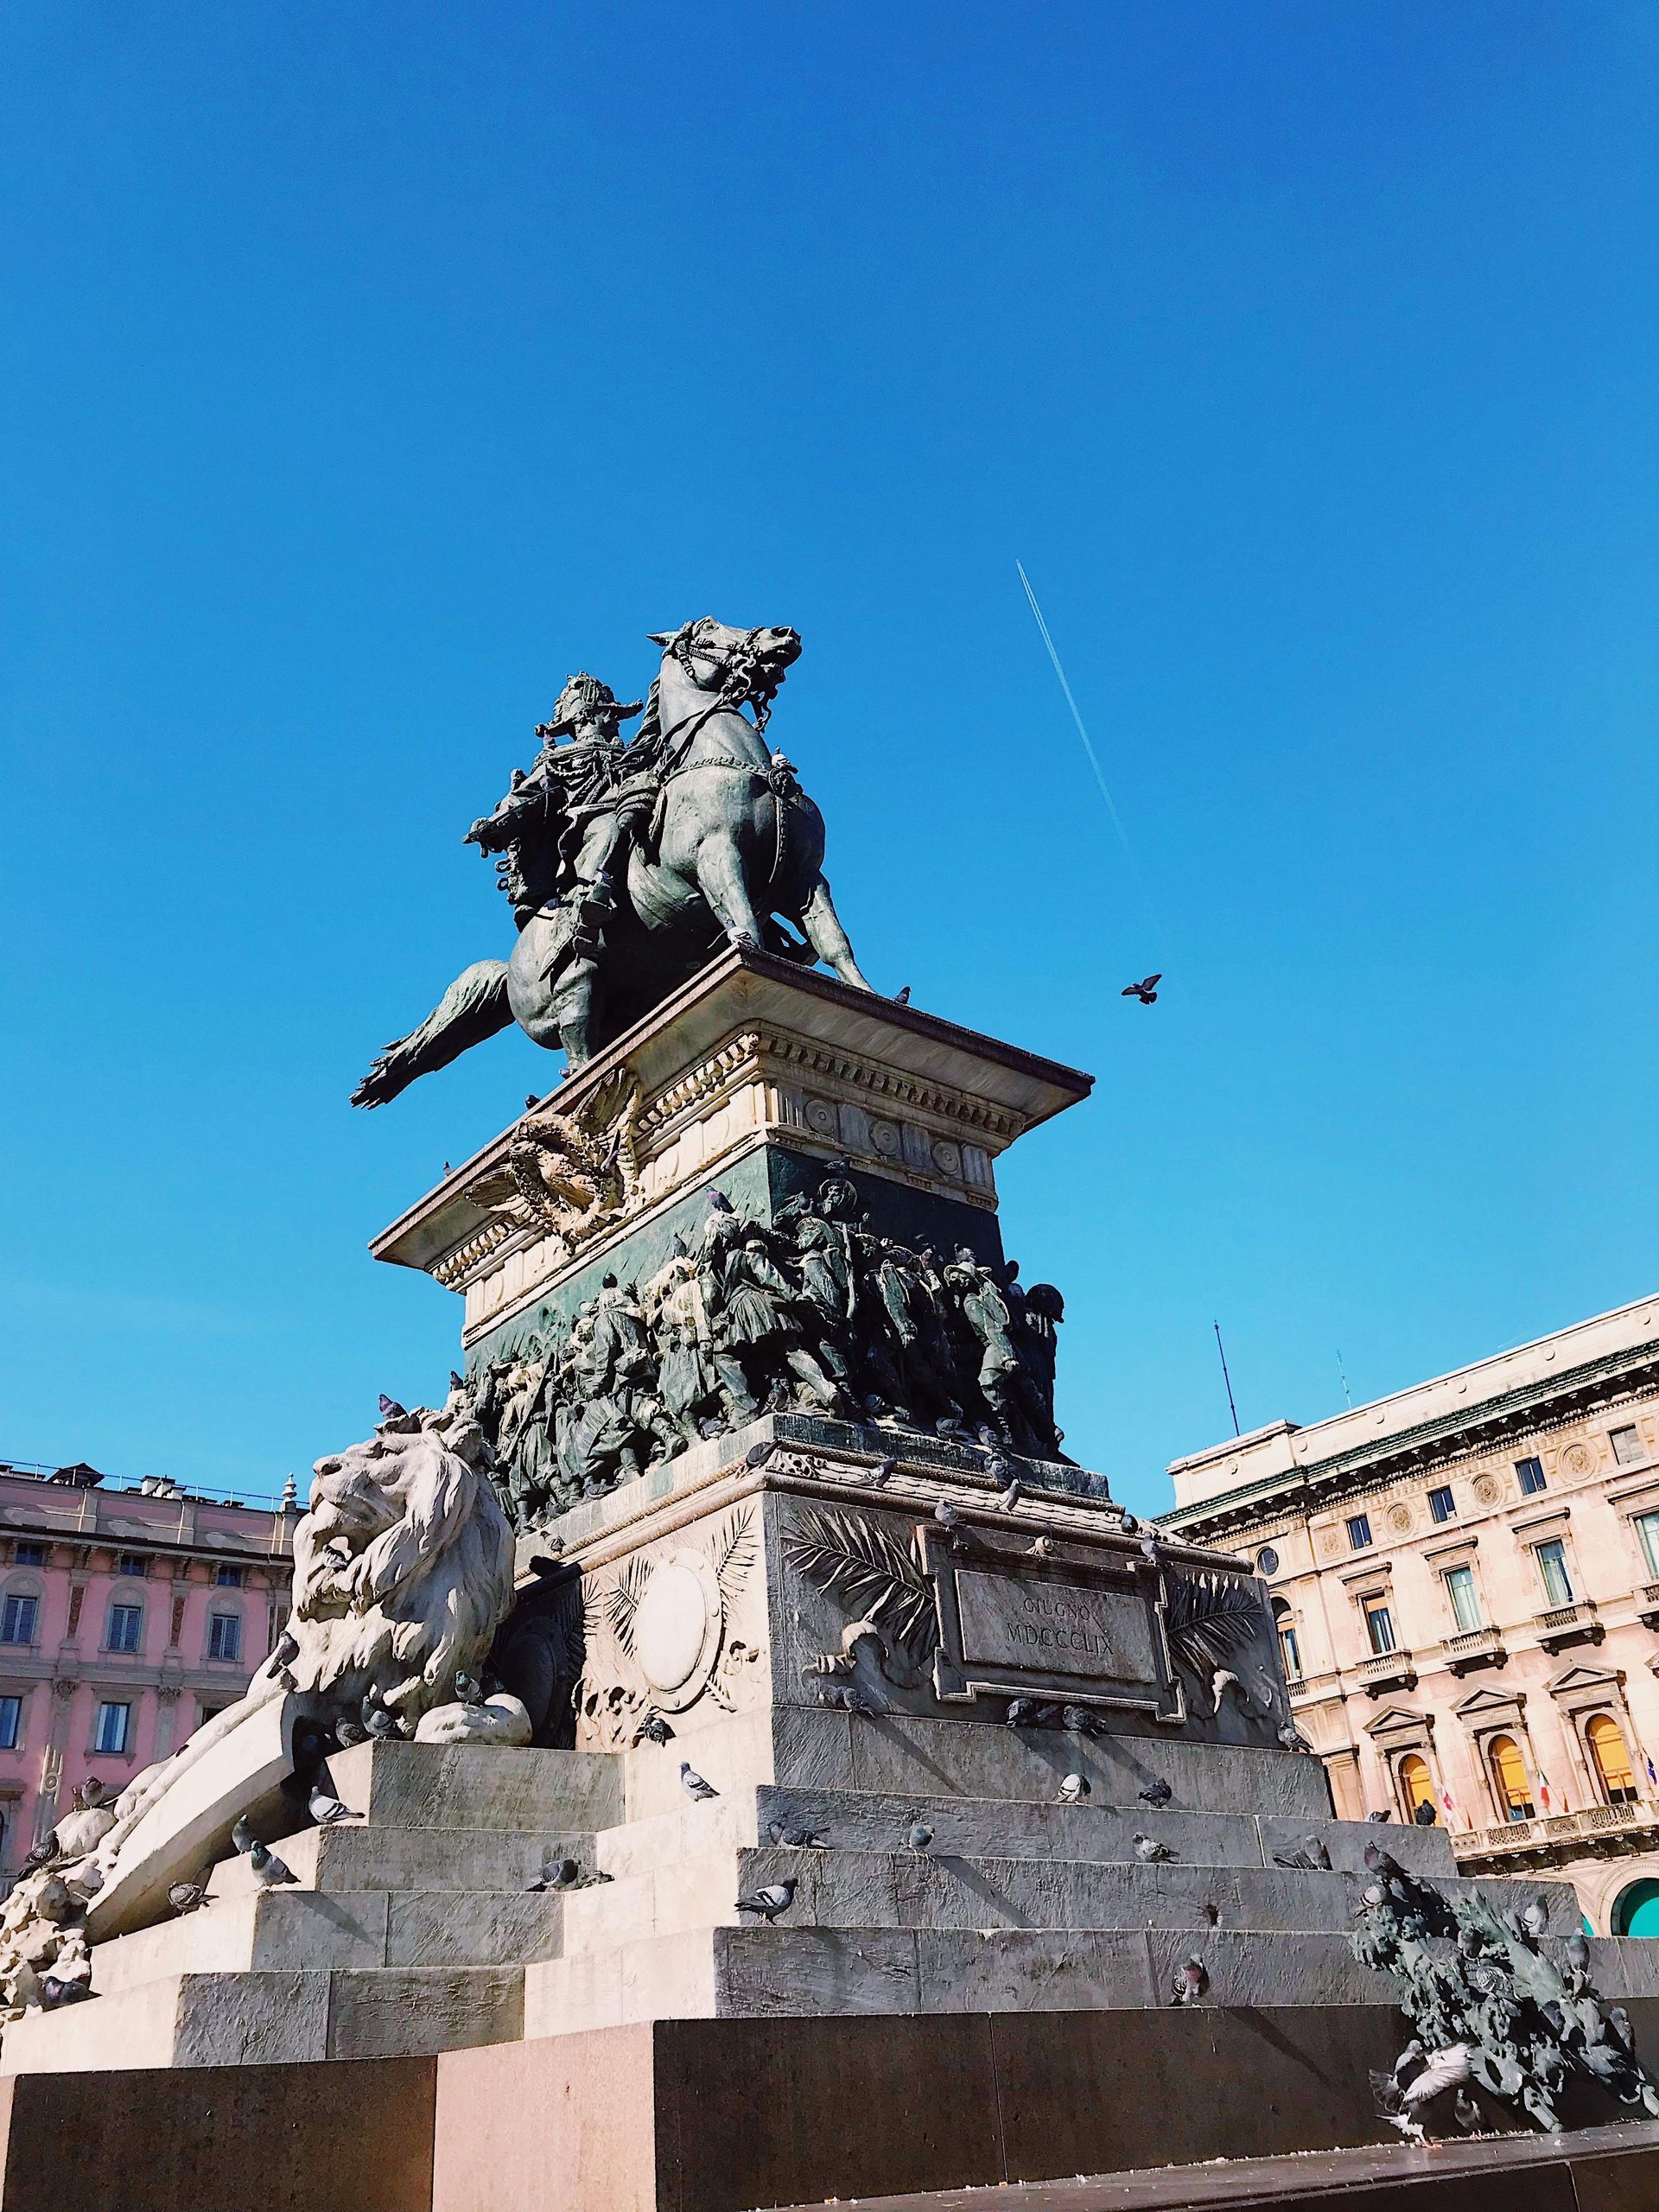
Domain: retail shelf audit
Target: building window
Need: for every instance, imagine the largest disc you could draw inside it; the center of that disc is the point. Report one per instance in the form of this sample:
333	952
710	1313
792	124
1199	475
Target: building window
126	1627
229	1577
1290	1652
1267	1560
1508	1772
132	1563
223	1637
28	1555
1379	1626
1529	1473
1416	1786
11	1723
1611	1759
17	1620
113	1724
1359	1532
1646	1527
1441	1503
1551	1565
1465	1604
1627	1446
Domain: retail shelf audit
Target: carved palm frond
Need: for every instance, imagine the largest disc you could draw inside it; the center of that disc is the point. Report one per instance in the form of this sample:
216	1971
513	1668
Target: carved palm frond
621	1601
868	1572
1211	1617
733	1554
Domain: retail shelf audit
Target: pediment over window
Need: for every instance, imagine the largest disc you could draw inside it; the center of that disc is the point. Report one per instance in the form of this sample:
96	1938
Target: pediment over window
1490	1708
1398	1727
1584	1685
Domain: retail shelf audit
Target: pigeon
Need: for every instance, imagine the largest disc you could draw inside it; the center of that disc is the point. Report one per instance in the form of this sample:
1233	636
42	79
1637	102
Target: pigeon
556	1874
1310	1857
1533	1918
1077	1720
946	1514
348	1732
327	1810
470	1692
1155	1793
377	1723
1621	2025
776	1898
1192	1979
1377	1819
390	1411
1146	990
795	1839
286	1650
920	1836
1150	1851
1129	1525
1012	1495
758	1454
1293	1740
1466	2112
1072	1790
1378	1861
1400	2102
693	1783
1021	1713
883	1472
54	1992
902	998
653	1729
1149	1551
531	1102
1040	1547
186	1896
268	1871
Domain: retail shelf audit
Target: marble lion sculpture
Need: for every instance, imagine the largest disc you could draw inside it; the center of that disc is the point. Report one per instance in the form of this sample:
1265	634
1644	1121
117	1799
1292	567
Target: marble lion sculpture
402	1572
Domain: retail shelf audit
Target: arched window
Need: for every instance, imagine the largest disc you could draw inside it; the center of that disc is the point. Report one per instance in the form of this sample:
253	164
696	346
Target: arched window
1509	1779
1290	1651
1416	1786
1636	1911
1611	1759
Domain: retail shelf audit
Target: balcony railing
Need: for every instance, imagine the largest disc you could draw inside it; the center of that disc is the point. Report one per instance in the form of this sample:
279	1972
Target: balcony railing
1561	1625
1595	1824
1384	1668
1476	1646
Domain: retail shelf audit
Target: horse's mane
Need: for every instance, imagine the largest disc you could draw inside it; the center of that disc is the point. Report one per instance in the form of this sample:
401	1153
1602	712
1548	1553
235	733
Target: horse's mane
646	740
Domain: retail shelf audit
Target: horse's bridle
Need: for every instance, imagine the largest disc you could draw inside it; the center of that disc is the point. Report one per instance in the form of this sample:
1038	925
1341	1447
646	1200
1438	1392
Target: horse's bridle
744	685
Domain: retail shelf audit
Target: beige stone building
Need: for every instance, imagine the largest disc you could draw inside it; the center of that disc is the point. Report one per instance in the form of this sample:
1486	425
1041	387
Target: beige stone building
1465	1576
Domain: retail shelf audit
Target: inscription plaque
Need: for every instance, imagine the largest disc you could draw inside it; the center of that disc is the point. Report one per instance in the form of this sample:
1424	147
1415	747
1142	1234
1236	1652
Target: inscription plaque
1057	1628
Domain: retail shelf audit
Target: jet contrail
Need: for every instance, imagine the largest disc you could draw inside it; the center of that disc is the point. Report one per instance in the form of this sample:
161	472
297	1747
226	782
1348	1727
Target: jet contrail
1094	759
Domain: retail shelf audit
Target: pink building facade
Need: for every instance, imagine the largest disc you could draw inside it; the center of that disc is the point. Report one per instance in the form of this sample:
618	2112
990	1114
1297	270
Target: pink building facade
127	1618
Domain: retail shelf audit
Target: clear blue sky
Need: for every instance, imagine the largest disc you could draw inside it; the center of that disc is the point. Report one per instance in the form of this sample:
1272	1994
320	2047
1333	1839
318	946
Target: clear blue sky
366	368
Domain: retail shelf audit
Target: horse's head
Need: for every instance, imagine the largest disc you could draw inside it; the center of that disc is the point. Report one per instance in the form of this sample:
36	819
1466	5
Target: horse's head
744	666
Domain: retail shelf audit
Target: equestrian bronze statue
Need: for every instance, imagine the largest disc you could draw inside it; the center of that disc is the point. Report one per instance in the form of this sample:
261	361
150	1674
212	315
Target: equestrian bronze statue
629	863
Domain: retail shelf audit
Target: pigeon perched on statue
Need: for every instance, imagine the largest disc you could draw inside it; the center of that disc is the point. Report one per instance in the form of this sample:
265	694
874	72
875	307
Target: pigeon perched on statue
556	1874
1310	1857
1150	1851
1156	1793
188	1897
1192	1979
693	1783
1072	1790
793	1838
777	1898
327	1810
920	1836
267	1869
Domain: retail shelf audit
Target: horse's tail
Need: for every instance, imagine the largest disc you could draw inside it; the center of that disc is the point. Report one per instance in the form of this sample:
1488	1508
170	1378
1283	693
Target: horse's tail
474	1007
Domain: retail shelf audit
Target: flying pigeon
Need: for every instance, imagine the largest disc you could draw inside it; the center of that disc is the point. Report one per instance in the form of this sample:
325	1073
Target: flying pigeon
326	1809
1310	1858
653	1729
186	1896
920	1836
693	1783
1155	1793
1072	1790
902	998
1192	1979
776	1898
556	1874
1400	2102
390	1411
1150	1851
1146	990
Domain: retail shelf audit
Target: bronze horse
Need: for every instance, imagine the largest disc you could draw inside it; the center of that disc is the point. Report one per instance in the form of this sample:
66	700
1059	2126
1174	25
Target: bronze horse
734	845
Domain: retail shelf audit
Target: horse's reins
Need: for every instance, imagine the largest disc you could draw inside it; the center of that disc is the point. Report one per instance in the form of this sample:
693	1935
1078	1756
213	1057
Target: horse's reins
778	781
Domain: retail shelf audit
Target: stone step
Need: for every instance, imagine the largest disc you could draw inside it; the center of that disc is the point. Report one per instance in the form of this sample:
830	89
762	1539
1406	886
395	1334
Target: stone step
241	2020
294	1931
995	1828
355	1855
400	1785
897	1754
887	1889
742	1972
